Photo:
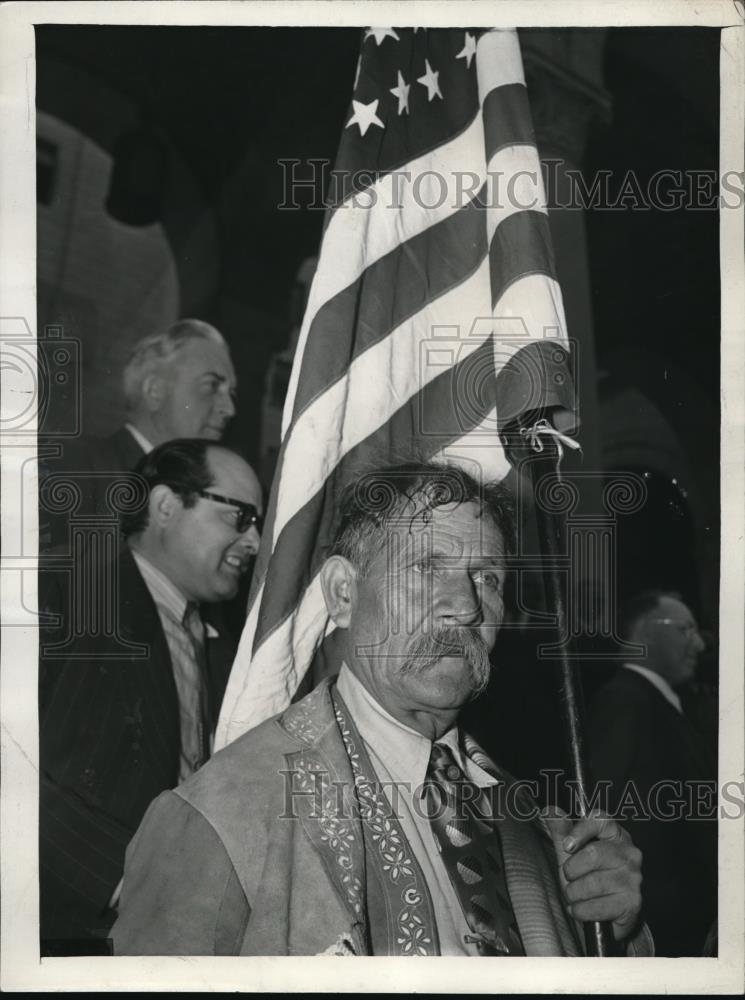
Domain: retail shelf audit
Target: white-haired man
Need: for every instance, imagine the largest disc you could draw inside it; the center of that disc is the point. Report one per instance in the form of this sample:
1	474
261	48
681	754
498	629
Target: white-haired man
178	383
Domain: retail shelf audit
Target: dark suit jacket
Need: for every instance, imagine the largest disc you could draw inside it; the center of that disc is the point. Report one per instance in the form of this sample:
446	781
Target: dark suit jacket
117	453
109	740
92	465
636	735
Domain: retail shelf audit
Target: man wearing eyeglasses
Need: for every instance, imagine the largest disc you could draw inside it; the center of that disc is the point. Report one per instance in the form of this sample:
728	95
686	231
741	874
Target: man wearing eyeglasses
661	773
128	705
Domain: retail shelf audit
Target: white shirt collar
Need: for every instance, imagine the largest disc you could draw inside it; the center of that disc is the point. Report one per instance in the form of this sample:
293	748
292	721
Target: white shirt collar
403	751
164	592
140	438
659	682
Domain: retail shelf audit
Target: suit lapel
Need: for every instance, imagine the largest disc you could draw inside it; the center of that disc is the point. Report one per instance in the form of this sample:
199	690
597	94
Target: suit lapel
531	872
681	730
220	651
324	800
692	743
150	678
125	448
397	891
530	865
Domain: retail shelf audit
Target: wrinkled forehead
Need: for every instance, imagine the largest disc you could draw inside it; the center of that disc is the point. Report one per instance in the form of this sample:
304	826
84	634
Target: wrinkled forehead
453	530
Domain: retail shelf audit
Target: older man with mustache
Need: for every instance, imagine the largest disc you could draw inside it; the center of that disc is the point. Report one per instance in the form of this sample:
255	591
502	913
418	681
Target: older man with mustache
362	820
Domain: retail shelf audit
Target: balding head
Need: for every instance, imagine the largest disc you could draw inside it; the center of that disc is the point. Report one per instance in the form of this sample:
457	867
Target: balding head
661	622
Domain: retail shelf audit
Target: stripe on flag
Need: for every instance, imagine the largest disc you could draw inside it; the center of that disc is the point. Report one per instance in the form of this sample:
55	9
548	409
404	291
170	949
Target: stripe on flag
433	319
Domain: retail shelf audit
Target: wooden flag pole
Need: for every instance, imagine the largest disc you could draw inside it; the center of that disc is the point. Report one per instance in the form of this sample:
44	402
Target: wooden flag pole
545	461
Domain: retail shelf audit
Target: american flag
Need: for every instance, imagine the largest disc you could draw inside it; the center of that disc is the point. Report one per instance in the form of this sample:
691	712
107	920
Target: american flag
433	320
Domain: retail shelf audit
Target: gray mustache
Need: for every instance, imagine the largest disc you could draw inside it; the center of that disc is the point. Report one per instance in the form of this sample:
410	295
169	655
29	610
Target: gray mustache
455	640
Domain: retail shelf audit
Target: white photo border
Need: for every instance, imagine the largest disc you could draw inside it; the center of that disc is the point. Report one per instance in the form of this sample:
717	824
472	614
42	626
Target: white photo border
21	968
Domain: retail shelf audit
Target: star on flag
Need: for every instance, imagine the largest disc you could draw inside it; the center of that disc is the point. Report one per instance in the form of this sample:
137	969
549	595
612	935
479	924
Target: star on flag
429	80
469	50
402	93
364	115
381	33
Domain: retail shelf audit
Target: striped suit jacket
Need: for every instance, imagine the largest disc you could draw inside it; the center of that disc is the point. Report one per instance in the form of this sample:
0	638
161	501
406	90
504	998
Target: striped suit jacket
245	858
109	738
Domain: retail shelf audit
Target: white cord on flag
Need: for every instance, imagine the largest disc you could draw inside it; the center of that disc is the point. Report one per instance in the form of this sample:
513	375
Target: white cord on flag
543	427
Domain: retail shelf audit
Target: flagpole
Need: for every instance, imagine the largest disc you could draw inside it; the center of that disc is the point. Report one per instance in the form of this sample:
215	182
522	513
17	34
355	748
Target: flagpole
546	461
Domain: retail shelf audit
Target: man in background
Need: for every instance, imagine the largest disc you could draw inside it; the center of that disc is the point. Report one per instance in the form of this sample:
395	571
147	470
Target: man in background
132	675
178	383
661	772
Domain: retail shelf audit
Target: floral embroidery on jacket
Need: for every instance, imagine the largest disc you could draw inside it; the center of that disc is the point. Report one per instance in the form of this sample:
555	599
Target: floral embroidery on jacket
414	919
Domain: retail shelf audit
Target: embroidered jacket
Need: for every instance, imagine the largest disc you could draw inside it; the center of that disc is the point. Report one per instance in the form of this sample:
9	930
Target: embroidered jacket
269	849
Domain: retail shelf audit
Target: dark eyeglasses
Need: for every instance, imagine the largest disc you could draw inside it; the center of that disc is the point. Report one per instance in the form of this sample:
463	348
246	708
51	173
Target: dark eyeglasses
247	513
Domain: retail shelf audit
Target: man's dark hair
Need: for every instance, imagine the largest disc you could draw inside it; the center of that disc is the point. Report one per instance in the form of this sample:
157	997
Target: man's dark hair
373	500
638	606
182	465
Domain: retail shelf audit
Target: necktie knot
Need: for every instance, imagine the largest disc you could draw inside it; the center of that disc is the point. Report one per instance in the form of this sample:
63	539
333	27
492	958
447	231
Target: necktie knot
192	621
442	765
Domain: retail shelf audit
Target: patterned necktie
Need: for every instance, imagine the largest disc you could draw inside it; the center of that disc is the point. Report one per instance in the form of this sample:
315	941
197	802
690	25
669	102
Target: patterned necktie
194	626
470	850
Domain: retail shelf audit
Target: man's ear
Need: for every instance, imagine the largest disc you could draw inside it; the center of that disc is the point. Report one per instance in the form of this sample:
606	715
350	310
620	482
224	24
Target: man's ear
339	586
641	630
153	392
163	505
